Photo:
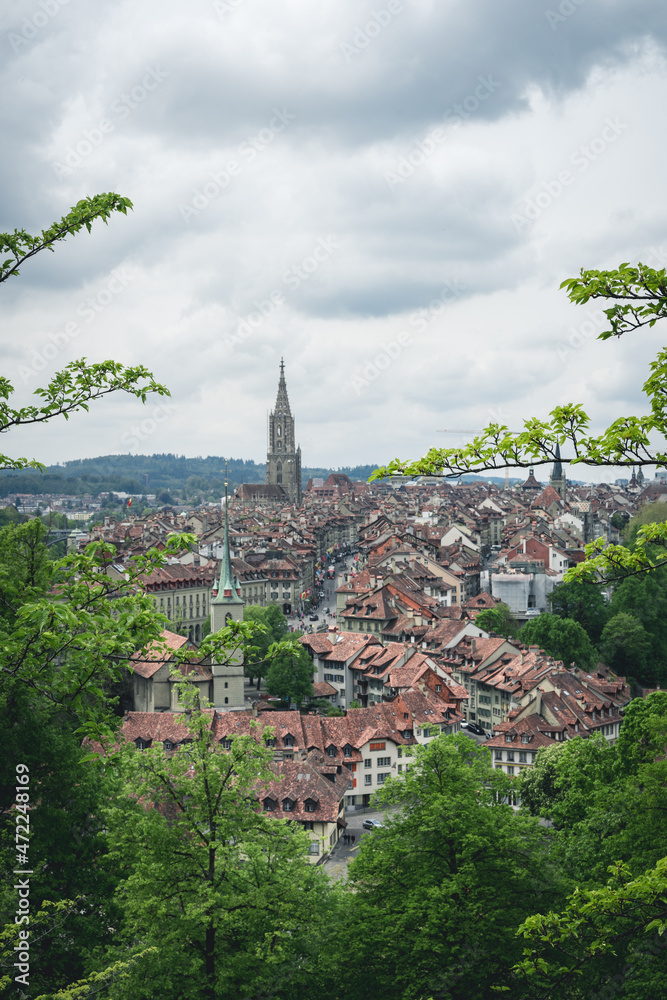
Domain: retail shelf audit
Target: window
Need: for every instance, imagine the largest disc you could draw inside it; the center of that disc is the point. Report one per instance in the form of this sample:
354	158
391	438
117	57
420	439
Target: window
269	805
308	824
331	751
269	741
378	746
226	701
142	744
384	762
510	770
309	805
522	756
381	778
510	754
226	743
347	749
226	684
400	768
288	805
368	779
368	762
498	755
168	745
314	847
288	740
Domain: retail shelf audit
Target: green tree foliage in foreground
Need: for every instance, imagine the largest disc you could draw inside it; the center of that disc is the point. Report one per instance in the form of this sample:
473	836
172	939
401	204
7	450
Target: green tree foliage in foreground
222	890
610	805
441	890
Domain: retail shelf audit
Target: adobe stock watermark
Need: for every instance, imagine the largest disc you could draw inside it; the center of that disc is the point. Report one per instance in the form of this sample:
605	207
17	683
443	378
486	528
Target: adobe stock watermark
87	311
581	159
419	320
453	117
31	26
292	279
225	7
121	108
219	180
592	326
137	435
365	33
565	9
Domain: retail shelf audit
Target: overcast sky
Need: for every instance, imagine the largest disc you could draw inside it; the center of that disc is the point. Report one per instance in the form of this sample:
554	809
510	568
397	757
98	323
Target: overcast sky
387	194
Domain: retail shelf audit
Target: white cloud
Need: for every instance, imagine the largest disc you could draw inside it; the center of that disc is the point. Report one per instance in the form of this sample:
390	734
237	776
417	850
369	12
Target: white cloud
276	140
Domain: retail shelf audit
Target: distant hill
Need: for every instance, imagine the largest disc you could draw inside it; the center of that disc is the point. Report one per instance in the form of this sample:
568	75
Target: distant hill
177	475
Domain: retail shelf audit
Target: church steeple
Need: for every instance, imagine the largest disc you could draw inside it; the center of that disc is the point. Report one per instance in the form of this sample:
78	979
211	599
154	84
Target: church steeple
227	600
283	459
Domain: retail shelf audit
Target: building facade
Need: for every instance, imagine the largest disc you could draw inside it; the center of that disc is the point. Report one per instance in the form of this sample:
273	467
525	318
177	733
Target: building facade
283	459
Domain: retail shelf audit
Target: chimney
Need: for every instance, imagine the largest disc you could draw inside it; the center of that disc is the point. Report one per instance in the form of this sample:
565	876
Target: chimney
473	645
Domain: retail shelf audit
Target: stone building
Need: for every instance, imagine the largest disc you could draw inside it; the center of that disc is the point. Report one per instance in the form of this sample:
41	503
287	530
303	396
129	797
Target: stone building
283	459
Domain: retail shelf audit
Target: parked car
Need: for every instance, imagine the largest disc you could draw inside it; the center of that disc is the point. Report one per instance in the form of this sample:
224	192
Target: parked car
314	618
472	727
371	824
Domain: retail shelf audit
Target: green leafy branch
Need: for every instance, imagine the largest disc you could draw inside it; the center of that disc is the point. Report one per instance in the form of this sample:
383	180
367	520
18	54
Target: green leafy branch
70	390
21	245
641	293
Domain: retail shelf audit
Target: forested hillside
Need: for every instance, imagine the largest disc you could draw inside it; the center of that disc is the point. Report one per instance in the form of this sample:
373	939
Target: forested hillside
184	477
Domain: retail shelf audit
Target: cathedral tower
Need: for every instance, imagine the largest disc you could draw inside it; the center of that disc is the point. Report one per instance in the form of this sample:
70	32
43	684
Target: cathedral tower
283	459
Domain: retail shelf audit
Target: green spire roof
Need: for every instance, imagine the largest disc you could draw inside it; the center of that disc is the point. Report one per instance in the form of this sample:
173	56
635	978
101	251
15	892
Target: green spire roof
226	586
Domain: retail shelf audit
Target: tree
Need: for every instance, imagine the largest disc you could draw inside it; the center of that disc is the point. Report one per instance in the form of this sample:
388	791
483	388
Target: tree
220	888
290	675
561	784
607	942
639	295
582	603
644	597
499	620
643	735
25	568
453	869
273	629
625	645
562	638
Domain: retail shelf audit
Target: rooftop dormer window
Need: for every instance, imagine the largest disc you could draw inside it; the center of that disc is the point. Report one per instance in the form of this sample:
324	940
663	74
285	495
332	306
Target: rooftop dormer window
331	751
347	750
142	744
310	805
168	745
288	805
269	805
288	740
226	743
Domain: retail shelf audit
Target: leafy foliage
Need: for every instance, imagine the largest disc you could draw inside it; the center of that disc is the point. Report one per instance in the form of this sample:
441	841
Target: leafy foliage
21	246
582	603
562	638
222	890
452	870
499	620
290	675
